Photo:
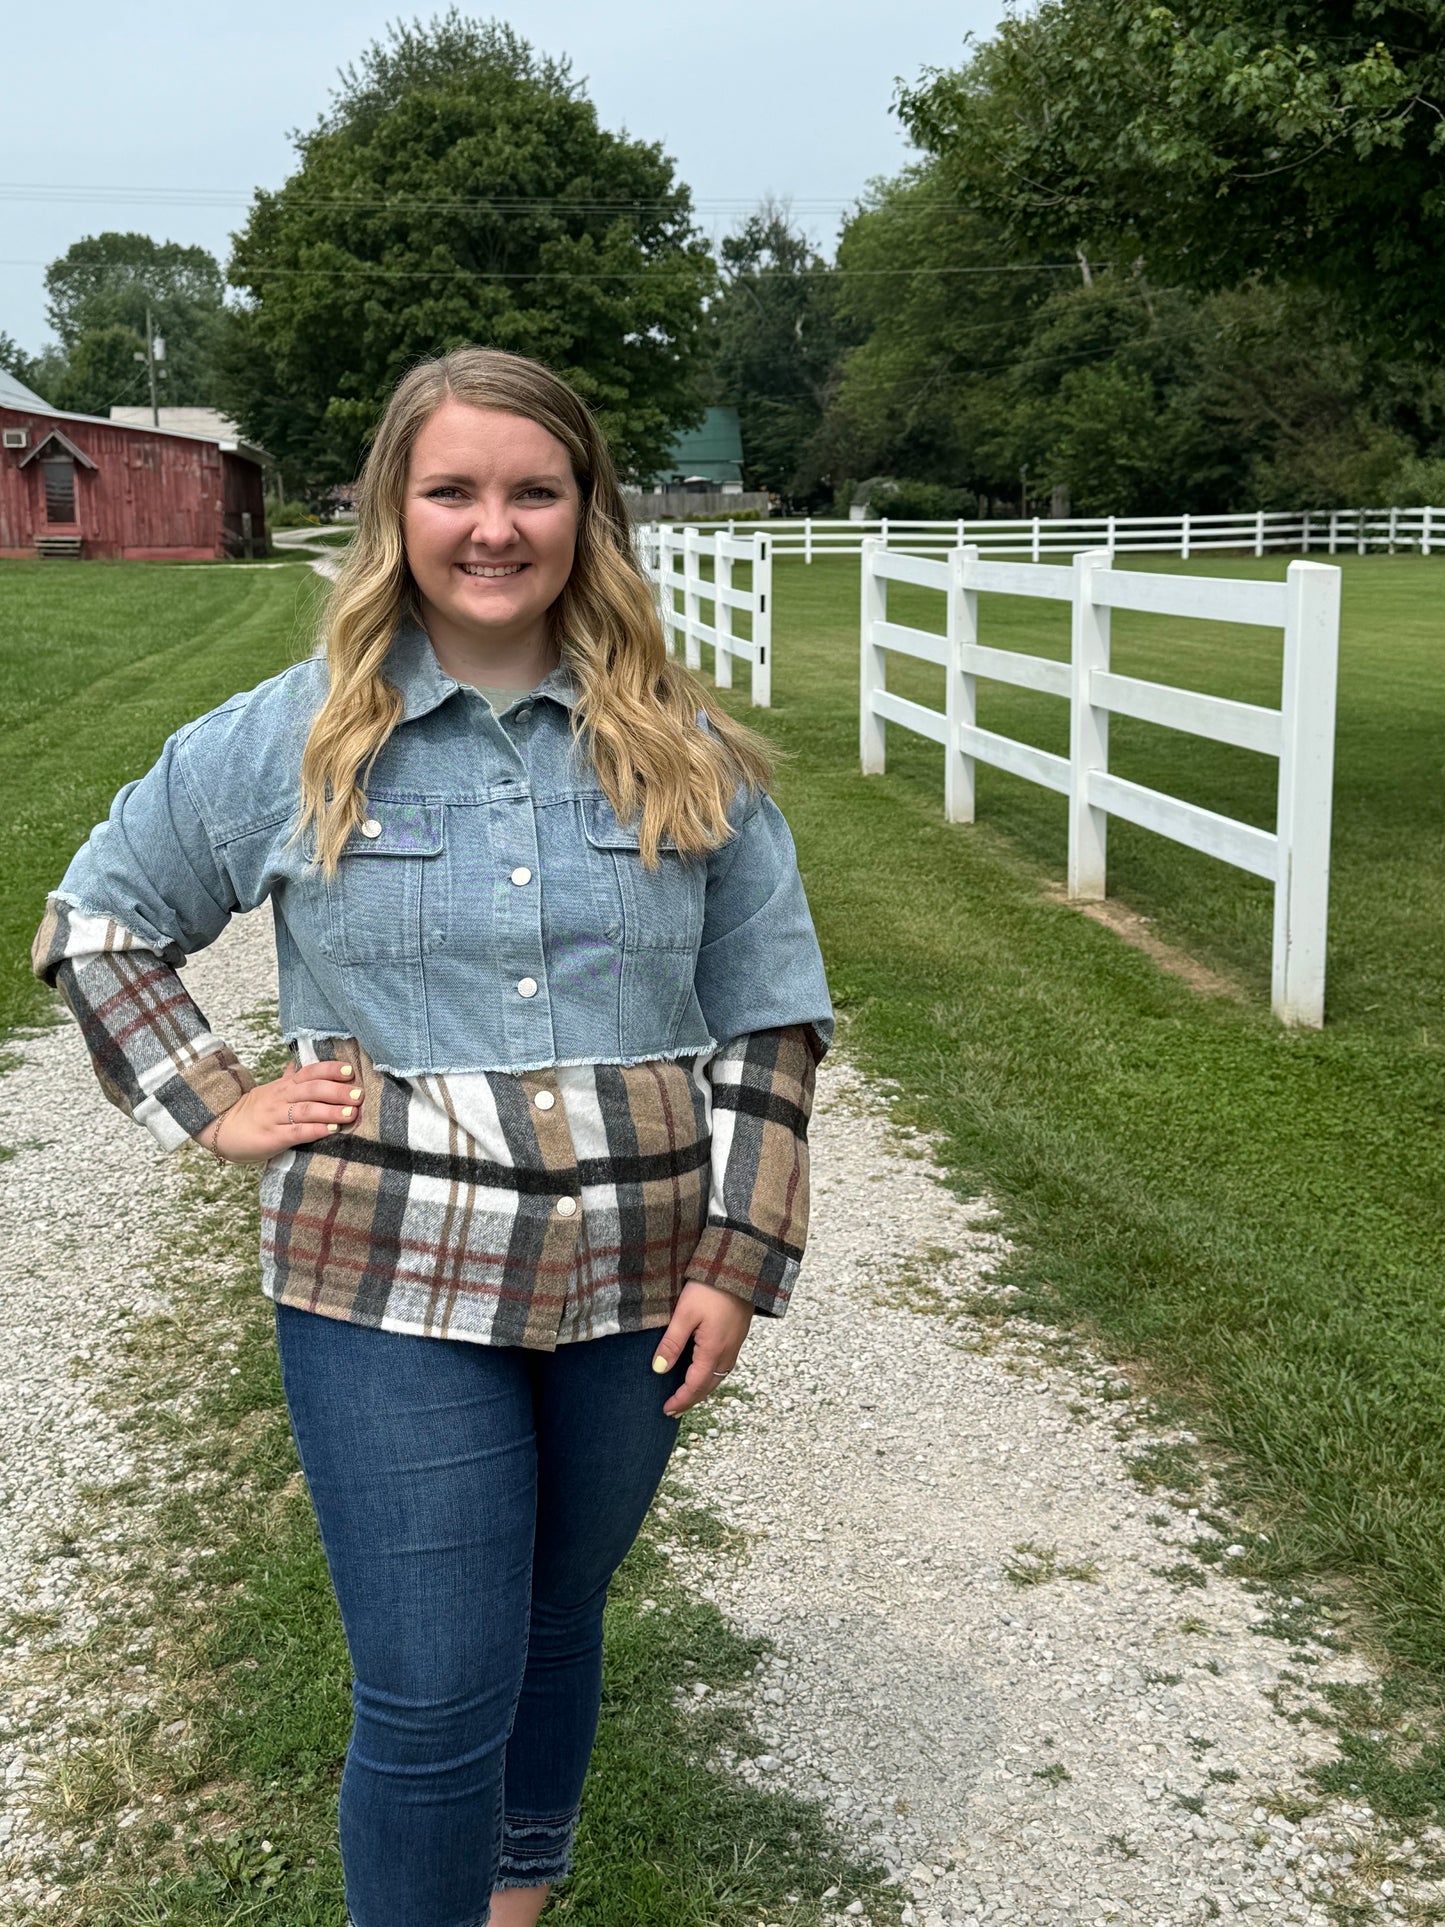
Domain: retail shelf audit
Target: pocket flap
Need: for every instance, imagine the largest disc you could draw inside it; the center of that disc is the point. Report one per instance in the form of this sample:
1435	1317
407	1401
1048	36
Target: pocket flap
608	832
400	829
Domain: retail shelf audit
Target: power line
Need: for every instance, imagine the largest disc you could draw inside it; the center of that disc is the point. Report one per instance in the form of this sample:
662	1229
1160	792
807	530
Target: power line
621	274
55	191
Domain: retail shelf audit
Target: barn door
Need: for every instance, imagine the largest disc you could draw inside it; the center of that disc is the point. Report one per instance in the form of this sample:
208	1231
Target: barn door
59	473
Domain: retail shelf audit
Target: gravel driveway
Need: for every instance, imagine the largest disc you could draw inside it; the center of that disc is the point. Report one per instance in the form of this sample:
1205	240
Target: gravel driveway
1033	1689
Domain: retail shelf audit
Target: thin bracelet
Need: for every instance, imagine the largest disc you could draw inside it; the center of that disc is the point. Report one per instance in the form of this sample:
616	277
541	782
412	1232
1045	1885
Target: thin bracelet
214	1147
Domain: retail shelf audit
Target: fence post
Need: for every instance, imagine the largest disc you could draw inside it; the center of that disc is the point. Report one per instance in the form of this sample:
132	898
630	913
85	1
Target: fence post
1109	538
961	690
762	622
1305	536
1425	532
691	601
1035	555
883	530
1259	532
1088	732
666	602
1360	527
1184	537
871	660
1306	786
1334	530
808	540
1394	524
722	612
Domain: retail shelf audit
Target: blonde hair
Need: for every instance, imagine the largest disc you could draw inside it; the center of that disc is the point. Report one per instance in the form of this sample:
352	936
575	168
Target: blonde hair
636	708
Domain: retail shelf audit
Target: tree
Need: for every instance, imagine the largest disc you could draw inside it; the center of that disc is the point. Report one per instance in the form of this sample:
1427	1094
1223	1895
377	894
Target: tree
106	366
1300	139
460	190
101	287
776	338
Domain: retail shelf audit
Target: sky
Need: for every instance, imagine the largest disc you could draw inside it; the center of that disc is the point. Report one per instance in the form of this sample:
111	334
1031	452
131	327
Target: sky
162	118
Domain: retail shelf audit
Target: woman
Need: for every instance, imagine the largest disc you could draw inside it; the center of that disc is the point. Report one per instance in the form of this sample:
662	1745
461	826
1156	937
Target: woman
555	1003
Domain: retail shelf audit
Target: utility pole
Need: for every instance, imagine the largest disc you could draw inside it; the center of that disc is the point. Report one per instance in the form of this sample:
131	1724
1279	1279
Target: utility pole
151	367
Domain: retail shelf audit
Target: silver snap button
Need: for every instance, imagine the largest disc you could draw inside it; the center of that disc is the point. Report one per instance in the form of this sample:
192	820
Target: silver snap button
566	1207
371	827
527	987
544	1100
521	874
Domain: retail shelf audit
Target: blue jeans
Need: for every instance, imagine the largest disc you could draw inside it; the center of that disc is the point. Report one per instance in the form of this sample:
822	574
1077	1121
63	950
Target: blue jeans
474	1502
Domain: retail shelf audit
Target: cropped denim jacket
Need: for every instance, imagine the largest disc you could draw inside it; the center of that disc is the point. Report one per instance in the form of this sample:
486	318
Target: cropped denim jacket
491	912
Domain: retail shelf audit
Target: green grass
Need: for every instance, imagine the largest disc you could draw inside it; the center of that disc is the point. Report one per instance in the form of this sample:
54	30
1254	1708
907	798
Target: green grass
98	663
1255	1213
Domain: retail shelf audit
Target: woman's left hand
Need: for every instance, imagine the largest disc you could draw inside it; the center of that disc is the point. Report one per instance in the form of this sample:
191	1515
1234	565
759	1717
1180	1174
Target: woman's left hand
717	1323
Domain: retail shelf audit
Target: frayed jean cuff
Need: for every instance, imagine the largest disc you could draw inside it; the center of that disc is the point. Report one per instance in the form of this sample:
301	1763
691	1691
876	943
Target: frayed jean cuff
536	1851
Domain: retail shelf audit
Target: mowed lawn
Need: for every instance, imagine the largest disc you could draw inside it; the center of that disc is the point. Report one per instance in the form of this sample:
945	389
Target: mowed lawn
99	662
1256	1214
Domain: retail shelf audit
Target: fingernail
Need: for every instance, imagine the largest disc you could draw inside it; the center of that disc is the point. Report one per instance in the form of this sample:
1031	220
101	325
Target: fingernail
347	1111
333	1127
346	1071
355	1096
660	1364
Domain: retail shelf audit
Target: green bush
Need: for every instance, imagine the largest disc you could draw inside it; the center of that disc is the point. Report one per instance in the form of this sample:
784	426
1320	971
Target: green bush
922	501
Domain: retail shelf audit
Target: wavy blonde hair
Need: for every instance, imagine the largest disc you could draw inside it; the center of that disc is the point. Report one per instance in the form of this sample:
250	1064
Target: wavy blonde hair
636	709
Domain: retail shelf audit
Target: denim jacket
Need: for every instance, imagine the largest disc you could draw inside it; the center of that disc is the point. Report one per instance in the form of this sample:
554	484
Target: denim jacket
490	914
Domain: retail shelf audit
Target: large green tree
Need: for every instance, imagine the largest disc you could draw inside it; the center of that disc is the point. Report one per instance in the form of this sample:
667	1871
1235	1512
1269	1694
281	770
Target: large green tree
776	336
1300	139
974	372
100	291
460	189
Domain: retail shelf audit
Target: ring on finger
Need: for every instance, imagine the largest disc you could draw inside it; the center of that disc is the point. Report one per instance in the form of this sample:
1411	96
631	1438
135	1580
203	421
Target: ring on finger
720	1374
289	1119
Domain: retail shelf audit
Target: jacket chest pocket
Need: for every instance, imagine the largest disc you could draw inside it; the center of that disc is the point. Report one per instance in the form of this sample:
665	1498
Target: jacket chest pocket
659	909
387	902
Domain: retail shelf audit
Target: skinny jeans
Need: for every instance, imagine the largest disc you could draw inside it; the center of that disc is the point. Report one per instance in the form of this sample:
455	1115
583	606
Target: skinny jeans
474	1502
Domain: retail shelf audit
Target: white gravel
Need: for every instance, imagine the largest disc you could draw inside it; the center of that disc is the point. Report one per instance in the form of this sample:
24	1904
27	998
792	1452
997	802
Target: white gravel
79	1231
893	1454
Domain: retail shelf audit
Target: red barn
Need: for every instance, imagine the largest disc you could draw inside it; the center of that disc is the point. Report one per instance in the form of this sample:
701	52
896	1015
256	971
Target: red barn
79	485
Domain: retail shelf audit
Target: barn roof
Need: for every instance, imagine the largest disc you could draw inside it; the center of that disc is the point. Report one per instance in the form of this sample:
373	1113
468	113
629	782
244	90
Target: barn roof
14	394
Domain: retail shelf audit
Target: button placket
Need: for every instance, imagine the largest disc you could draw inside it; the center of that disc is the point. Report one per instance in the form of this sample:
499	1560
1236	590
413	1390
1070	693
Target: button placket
554	1141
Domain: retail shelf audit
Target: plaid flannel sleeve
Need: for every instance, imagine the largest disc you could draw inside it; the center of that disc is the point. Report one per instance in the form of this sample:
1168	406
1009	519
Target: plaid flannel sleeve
762	1098
153	1052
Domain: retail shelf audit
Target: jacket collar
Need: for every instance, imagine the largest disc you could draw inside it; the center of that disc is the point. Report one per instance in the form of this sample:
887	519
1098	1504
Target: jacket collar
412	669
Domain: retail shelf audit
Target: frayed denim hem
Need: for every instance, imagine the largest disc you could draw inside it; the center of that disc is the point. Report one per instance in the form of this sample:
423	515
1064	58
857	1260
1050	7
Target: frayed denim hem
536	1852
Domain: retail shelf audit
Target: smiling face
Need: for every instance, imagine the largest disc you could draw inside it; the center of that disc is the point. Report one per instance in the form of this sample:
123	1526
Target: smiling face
490	528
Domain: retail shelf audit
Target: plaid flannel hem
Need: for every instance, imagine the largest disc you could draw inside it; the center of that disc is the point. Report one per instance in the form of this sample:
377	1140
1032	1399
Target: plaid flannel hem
154	1054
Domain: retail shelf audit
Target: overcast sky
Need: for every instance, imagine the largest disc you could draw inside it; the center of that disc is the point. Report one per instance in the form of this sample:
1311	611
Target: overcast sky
788	97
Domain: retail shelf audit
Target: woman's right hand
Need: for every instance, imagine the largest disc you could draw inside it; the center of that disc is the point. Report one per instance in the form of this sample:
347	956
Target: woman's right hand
301	1105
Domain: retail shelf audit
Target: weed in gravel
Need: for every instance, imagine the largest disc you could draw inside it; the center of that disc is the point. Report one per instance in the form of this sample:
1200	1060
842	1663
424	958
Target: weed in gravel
1054	1774
1161	1468
1182	1574
1034	1565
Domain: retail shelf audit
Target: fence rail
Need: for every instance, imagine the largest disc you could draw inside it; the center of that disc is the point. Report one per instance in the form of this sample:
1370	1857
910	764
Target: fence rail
1294	857
1329	531
661	546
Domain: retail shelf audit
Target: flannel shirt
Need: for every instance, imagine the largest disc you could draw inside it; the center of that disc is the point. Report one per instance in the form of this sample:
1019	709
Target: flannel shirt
530	1209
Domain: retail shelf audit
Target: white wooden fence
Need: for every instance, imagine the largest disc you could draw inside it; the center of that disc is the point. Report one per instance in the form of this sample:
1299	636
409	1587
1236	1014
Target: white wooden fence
1330	531
662	546
1300	733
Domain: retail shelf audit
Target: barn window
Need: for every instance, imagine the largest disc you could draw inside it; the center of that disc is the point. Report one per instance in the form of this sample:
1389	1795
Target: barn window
59	489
